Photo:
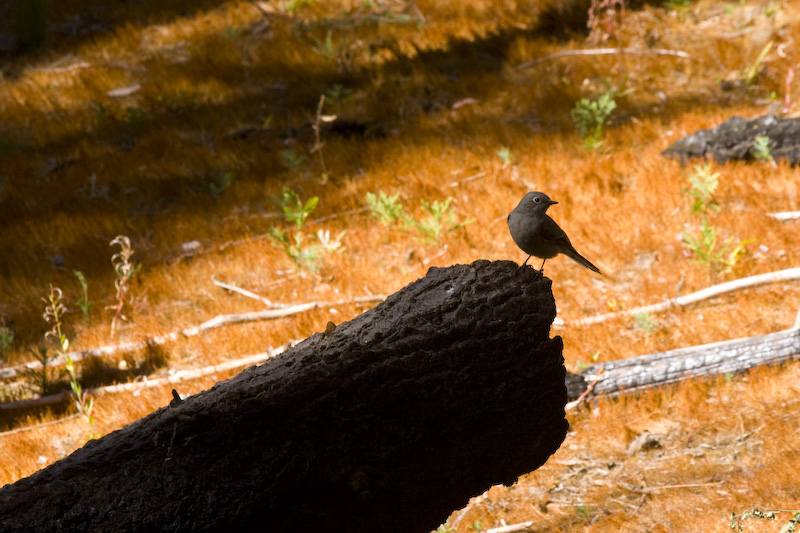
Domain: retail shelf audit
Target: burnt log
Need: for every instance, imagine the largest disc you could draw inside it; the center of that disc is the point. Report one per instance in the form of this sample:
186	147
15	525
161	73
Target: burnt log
734	139
388	422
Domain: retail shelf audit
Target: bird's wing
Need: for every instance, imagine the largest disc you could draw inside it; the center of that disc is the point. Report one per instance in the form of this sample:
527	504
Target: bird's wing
552	233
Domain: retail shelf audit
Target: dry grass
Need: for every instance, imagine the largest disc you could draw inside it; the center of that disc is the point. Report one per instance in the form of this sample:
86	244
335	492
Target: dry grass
225	88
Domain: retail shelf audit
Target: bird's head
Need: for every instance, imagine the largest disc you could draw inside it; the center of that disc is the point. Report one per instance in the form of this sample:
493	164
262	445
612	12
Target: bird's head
537	201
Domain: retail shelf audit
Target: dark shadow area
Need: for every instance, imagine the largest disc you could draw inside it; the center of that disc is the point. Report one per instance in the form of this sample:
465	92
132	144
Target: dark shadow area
32	27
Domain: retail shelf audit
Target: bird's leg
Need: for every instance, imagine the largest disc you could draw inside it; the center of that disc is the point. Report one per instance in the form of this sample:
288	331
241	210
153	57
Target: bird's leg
541	269
526	262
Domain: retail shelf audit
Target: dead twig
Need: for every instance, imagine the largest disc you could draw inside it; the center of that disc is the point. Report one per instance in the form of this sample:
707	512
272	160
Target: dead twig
181	375
604	51
710	292
243	292
216	322
37	426
522	526
572	405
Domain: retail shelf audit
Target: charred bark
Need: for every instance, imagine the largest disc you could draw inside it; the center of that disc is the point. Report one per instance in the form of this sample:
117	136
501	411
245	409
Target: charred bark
387	423
734	139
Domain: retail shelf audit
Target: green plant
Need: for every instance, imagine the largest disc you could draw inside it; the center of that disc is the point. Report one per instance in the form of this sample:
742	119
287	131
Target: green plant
326	48
737	521
760	149
293	209
477	525
337	94
124	270
305	251
83	303
445	528
707	251
133	117
385	208
646	323
301	251
751	73
677	5
231	32
54	310
6	339
505	156
98	110
83	401
702	184
583	365
293	160
42	379
440	220
92	190
293	6
589	117
217	185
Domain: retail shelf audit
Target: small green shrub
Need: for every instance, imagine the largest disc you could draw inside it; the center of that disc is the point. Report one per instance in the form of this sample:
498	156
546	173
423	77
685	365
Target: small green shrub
505	156
293	209
386	209
440	220
707	251
760	149
589	117
702	184
306	251
83	303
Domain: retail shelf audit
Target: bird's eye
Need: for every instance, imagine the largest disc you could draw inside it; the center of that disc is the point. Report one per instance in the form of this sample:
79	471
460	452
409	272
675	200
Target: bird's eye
537	199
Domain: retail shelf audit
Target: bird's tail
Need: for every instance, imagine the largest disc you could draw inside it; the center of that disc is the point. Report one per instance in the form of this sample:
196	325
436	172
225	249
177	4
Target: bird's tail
578	258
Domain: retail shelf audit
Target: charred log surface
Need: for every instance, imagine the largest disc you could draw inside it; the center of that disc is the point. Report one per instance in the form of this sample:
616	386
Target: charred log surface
734	138
388	423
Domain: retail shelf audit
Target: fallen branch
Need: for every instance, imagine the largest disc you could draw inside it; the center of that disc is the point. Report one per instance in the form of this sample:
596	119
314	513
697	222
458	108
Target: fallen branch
710	292
243	292
785	215
604	51
513	528
42	425
177	377
216	322
725	357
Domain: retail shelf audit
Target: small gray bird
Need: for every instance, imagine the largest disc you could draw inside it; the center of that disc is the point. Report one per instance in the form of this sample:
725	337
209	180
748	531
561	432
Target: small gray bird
538	234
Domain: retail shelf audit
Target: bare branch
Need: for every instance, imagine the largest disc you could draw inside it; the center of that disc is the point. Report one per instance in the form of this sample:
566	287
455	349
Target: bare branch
604	51
682	301
243	292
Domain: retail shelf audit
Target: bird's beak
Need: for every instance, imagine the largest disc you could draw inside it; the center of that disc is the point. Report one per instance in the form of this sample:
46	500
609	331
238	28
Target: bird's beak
552	202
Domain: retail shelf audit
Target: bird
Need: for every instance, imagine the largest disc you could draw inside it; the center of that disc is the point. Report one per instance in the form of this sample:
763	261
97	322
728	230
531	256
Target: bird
538	235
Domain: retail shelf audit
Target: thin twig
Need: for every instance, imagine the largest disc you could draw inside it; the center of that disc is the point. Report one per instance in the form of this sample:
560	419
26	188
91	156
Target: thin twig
243	292
605	51
216	322
522	526
181	375
467	179
572	405
785	215
37	426
710	292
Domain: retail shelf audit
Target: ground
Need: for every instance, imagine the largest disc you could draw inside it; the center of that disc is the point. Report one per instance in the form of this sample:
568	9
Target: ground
180	124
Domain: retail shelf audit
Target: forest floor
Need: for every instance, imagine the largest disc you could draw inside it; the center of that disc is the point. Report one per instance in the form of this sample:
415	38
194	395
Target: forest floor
199	132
